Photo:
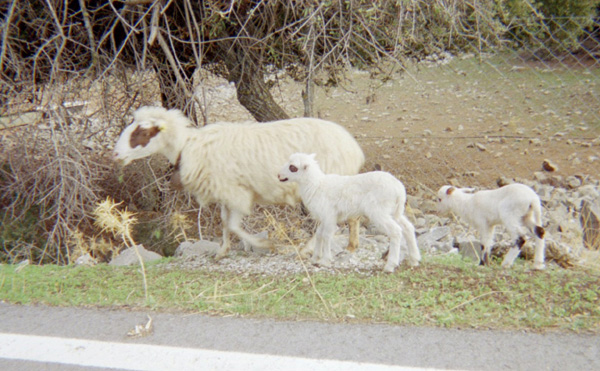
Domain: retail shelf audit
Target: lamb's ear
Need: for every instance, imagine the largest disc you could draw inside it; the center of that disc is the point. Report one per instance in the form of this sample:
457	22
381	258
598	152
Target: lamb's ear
312	156
450	190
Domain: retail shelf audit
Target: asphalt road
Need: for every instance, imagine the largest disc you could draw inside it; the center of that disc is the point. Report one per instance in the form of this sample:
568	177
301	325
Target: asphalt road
66	339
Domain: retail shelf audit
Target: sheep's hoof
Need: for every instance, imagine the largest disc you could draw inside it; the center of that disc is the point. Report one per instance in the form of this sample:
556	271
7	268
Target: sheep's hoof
305	254
389	268
539	266
220	255
324	263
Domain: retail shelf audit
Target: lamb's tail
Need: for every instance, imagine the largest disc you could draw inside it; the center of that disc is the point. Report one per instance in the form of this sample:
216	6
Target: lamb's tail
533	219
399	207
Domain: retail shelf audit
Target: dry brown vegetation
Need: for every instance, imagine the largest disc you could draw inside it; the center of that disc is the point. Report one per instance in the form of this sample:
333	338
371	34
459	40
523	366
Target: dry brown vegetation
522	95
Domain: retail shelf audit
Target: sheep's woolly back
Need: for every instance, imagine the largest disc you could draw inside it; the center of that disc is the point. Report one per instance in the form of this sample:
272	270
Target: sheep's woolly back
237	164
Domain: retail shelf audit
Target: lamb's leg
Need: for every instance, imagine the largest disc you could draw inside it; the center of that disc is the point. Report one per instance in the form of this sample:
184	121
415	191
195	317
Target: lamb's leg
408	231
517	232
353	231
325	233
487	240
540	248
387	225
232	221
317	242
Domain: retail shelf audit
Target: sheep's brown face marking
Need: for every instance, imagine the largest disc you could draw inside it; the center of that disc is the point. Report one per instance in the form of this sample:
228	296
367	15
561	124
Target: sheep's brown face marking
450	190
293	169
141	136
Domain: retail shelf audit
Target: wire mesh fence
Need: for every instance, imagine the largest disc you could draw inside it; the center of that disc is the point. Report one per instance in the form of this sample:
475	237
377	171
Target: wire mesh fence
496	109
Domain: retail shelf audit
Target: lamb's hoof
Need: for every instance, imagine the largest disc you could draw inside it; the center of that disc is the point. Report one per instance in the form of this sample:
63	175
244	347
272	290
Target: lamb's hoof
413	263
539	266
385	254
351	248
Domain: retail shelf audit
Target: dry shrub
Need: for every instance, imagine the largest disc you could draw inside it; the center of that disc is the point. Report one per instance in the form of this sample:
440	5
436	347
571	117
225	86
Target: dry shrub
50	177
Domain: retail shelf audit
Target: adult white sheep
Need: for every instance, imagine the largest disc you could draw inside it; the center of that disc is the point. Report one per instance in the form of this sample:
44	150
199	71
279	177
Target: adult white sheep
516	206
235	165
333	198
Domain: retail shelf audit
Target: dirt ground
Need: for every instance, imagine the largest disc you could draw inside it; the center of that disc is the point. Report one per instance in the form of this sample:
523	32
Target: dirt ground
465	122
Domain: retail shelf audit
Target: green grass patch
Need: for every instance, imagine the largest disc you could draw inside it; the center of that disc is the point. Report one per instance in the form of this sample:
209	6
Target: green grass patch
443	291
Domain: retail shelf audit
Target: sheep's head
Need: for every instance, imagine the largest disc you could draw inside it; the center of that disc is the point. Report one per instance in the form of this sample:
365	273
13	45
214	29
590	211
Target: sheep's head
143	137
296	166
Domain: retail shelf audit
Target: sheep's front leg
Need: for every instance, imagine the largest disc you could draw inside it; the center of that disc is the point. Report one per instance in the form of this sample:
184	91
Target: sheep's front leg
232	221
225	245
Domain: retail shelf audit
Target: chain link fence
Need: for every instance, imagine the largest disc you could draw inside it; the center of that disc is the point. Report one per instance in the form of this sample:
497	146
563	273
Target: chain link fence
469	118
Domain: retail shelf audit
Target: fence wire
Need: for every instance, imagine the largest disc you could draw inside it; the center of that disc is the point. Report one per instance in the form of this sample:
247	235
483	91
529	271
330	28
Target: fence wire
469	118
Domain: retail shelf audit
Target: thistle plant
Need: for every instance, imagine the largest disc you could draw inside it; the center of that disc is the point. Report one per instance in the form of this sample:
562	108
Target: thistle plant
179	224
119	223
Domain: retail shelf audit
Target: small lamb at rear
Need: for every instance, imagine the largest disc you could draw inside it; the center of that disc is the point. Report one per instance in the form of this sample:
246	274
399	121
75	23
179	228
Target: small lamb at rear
516	206
333	198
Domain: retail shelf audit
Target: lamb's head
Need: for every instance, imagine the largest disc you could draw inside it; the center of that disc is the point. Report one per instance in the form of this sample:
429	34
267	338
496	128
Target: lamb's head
147	134
445	198
296	167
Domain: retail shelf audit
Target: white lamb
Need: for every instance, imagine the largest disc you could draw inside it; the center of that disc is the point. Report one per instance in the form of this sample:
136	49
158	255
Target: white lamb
333	198
516	206
235	164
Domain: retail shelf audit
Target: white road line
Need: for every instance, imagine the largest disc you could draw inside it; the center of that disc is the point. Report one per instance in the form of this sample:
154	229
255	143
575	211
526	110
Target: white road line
154	357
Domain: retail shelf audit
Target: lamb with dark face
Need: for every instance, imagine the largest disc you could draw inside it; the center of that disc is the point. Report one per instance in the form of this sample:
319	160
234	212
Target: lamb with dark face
236	165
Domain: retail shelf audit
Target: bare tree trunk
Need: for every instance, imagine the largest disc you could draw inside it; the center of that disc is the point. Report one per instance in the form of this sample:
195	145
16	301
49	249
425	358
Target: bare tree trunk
252	92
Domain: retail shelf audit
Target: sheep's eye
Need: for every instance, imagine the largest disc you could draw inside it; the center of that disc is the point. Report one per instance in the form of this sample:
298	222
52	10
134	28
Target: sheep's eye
293	169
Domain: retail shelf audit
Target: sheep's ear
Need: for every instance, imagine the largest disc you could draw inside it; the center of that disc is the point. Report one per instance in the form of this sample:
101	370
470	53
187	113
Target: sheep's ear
450	190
